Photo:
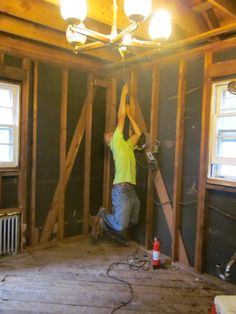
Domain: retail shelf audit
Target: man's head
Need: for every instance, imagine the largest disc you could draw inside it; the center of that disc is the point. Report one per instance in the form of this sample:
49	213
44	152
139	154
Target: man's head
108	138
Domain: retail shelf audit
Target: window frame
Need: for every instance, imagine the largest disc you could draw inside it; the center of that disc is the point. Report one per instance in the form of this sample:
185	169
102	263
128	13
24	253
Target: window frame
217	90
15	88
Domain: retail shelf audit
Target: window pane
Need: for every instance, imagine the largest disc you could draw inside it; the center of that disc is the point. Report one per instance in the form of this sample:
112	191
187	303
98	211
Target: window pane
226	148
6	116
6	153
6	136
228	102
226	123
224	172
5	98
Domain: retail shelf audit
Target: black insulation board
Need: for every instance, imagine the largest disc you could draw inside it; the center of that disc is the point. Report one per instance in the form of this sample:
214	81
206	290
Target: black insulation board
48	139
191	153
166	154
221	242
9	197
77	91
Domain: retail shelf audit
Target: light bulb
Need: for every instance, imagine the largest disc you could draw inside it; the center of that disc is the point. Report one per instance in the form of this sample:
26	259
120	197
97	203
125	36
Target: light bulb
137	10
127	39
160	25
74	11
74	37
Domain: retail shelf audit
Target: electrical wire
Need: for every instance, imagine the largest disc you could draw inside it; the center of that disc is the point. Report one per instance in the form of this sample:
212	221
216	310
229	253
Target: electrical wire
135	263
220	211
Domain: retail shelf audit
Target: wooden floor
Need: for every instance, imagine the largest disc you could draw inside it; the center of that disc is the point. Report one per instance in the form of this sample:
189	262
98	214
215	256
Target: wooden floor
70	277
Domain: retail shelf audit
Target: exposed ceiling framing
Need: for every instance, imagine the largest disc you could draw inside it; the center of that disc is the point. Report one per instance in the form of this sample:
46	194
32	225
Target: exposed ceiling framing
193	22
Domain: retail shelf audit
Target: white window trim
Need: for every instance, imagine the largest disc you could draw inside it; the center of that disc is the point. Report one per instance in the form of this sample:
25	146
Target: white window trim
16	88
215	114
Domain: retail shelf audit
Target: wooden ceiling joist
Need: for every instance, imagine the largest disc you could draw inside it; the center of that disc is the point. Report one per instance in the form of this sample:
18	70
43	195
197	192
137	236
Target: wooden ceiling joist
227	6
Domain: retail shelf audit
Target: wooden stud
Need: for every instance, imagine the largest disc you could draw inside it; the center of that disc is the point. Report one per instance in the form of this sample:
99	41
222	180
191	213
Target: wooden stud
201	211
44	54
1	58
153	136
22	183
33	239
61	205
168	212
87	163
70	159
111	104
178	165
222	68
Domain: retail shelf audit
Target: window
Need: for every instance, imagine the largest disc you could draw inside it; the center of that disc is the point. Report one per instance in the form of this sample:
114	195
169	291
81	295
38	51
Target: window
222	155
9	124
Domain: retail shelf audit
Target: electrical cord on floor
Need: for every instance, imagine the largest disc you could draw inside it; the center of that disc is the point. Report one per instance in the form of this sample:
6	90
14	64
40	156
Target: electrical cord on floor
135	263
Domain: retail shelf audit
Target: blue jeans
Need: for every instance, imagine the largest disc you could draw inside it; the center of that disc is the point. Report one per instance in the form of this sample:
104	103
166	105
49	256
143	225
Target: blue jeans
125	208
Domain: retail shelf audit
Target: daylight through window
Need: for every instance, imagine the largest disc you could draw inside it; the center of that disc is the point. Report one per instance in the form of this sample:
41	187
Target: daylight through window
9	124
222	155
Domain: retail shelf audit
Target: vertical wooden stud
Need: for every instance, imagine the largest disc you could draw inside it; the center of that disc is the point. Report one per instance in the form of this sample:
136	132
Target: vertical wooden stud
63	132
87	164
111	104
178	165
201	210
153	136
22	183
33	239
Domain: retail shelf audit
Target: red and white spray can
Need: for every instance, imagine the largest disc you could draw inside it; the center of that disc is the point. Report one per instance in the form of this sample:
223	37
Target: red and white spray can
156	259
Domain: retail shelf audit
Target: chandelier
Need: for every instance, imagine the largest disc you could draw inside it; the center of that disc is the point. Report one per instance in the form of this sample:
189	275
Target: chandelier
137	11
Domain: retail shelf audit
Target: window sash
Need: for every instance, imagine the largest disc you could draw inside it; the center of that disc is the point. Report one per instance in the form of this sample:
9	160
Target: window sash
219	135
14	126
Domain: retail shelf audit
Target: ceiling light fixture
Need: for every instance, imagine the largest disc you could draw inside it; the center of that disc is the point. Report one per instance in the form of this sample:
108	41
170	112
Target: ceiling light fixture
137	11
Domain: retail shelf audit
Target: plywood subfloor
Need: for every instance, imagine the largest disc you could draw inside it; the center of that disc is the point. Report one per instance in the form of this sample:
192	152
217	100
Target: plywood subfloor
70	277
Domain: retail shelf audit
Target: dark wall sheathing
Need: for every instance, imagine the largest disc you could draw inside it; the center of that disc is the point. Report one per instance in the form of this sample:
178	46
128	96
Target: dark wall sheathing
144	97
191	153
9	197
77	91
97	150
221	230
48	139
13	61
166	154
228	54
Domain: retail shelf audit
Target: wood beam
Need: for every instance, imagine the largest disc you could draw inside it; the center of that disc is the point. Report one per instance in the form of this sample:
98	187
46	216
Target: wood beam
226	6
49	36
201	210
182	15
87	156
111	105
152	141
71	156
222	68
182	43
63	136
178	164
33	239
44	54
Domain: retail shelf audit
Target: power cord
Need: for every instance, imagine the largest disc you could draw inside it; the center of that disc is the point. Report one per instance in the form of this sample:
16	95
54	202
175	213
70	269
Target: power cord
135	263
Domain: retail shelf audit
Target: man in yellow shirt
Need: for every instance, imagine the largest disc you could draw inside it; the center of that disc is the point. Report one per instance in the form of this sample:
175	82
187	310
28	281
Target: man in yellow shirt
125	202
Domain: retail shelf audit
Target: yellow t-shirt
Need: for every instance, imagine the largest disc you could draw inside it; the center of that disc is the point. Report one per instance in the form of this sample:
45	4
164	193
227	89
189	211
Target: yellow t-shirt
123	155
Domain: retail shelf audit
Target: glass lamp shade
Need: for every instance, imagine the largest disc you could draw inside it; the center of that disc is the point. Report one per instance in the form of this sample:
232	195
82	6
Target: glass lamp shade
74	11
75	38
160	27
137	10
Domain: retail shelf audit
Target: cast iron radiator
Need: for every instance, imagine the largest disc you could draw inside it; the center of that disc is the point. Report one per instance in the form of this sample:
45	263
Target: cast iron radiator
9	233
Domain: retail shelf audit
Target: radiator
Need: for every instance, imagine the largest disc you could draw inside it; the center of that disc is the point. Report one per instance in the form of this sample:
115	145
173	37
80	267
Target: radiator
9	234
